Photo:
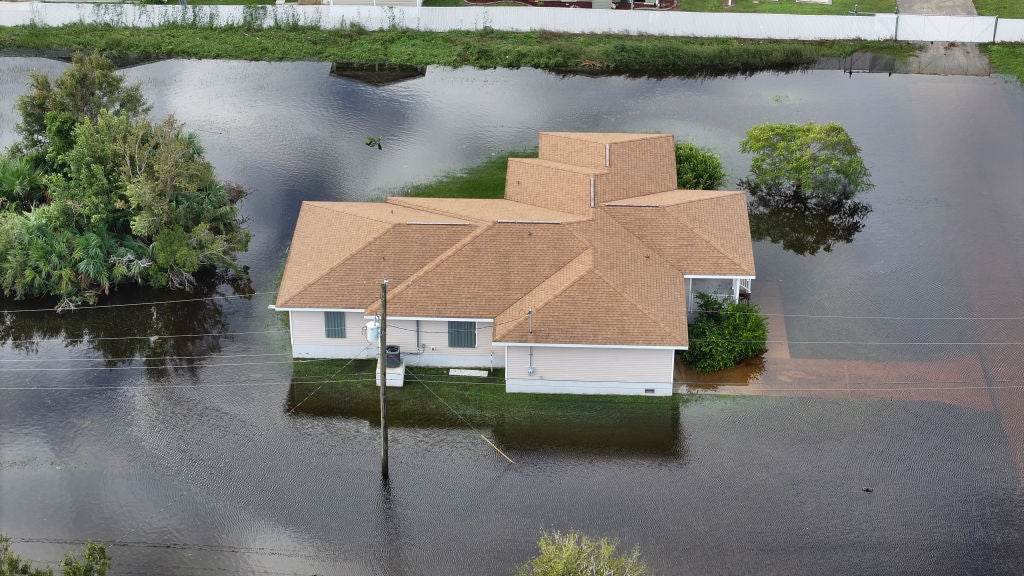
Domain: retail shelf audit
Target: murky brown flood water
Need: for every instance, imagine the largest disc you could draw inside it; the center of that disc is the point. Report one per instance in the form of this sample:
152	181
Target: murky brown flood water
897	361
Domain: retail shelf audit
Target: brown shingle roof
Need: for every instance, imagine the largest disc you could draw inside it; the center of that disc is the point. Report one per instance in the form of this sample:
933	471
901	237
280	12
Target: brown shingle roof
396	254
609	275
487	273
591	311
486	210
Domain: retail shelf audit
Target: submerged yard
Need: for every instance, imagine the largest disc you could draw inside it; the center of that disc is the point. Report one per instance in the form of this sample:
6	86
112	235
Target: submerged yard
183	435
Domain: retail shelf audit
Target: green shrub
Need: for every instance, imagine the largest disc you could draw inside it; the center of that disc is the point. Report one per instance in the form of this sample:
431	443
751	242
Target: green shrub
575	554
723	335
698	168
94	562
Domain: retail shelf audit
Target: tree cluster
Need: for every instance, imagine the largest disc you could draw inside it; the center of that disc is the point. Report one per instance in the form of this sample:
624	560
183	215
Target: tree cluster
95	194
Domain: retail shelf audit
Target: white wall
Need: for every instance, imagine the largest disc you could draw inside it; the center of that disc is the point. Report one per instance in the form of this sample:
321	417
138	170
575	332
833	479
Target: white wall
947	28
695	24
309	341
570	370
1010	30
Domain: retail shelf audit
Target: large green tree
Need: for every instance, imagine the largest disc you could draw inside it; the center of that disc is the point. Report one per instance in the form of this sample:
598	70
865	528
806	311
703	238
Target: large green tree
95	194
813	160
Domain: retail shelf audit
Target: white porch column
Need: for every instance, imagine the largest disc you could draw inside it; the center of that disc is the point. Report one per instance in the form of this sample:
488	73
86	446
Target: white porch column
735	289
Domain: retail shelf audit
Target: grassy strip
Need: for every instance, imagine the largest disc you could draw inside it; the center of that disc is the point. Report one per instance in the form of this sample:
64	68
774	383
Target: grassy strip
630	55
485	180
1007	59
790	7
481	402
1001	8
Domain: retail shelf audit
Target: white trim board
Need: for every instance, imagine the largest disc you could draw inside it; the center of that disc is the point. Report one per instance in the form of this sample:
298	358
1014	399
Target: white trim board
711	277
625	346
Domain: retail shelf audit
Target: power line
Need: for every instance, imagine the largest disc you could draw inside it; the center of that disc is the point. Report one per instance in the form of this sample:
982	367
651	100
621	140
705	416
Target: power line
143	337
153	303
468	423
196	365
125	359
256	444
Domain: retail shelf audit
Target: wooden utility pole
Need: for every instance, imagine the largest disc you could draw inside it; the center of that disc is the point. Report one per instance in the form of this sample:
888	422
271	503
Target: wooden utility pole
384	380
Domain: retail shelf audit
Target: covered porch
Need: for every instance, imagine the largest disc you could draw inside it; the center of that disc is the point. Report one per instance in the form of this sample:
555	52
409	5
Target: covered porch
724	288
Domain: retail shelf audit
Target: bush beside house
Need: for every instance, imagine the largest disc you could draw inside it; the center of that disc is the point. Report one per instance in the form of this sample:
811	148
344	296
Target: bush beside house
725	334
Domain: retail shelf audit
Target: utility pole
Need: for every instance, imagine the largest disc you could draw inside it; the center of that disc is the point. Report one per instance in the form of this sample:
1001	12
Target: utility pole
383	380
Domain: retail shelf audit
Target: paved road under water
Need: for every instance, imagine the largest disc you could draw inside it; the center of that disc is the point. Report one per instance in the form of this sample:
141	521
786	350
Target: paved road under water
181	451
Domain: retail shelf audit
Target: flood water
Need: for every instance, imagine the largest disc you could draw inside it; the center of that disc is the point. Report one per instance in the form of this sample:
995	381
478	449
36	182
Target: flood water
168	432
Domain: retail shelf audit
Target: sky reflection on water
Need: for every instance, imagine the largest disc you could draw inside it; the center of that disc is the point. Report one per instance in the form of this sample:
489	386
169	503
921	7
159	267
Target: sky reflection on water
202	470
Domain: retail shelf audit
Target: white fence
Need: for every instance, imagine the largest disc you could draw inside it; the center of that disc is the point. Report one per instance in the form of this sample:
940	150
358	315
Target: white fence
693	24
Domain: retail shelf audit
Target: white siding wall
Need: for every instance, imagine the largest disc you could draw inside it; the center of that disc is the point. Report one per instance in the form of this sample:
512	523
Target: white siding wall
590	370
309	341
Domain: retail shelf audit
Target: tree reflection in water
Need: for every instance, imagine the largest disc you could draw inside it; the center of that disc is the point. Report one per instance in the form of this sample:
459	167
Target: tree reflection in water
803	224
126	334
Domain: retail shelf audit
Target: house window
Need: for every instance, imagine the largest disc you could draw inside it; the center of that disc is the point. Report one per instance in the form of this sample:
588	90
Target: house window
334	324
462	334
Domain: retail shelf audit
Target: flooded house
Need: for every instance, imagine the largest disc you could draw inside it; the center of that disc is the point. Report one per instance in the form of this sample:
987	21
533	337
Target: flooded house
580	280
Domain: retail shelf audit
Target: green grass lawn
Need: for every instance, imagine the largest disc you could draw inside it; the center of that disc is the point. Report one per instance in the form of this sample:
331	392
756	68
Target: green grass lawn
789	6
431	398
1007	59
1001	8
485	180
655	56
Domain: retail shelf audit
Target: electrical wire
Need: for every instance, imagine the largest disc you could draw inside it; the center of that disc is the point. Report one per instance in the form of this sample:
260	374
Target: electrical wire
468	423
143	337
781	315
125	359
196	365
152	303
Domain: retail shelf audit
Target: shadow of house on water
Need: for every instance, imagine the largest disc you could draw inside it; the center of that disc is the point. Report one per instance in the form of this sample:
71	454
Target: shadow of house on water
625	426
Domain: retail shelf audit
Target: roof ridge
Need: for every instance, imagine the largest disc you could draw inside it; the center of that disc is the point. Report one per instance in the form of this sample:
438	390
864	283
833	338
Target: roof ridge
434	263
562	166
720	194
381	220
298	290
686	222
583	272
397	201
639	306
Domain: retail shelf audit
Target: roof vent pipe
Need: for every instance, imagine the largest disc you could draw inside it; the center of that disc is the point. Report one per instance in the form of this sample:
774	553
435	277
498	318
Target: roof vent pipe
591	191
607	155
